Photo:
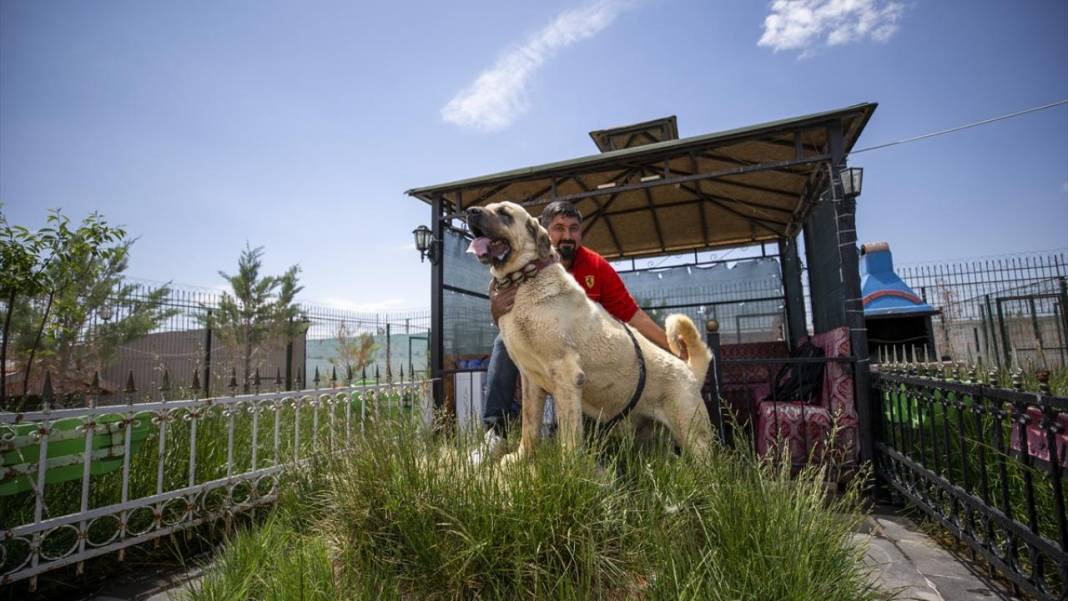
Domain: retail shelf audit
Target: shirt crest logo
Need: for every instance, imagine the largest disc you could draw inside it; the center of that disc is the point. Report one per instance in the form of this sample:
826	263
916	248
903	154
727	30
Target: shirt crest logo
589	281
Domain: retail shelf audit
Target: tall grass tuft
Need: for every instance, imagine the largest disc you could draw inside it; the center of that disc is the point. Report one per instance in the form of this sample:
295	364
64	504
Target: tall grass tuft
405	516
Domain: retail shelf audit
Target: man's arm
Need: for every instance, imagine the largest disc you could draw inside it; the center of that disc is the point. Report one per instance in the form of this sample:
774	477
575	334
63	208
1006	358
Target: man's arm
650	329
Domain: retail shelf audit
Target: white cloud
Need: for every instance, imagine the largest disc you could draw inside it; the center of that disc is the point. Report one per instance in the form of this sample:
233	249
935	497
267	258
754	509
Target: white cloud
805	24
499	94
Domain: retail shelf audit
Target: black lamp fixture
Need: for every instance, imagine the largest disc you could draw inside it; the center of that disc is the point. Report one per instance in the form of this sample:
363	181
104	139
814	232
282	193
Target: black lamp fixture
852	178
426	244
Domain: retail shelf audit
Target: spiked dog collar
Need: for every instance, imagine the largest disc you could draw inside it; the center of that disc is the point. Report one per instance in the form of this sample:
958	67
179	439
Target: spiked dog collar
524	273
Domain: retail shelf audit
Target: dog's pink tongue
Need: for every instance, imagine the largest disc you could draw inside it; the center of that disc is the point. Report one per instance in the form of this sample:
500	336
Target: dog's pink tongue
479	246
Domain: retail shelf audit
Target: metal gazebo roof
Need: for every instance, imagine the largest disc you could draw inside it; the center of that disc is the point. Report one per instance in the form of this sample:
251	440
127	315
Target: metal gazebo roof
737	187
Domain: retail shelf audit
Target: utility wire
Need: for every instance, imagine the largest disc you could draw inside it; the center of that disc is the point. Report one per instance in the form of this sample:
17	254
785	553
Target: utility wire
954	129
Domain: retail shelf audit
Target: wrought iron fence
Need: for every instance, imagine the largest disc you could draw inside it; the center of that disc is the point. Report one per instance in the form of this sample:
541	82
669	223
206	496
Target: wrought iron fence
986	462
77	483
1006	310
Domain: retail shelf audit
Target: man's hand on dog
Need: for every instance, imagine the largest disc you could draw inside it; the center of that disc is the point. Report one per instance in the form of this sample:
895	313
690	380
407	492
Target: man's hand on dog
501	301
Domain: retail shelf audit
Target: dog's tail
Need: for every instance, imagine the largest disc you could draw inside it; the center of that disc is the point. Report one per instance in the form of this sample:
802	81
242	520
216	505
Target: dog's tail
680	329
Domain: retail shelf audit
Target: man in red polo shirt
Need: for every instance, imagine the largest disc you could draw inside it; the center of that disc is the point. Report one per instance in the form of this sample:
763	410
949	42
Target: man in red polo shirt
601	283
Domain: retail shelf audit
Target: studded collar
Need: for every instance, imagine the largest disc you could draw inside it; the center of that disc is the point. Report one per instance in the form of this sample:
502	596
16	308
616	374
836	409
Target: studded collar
524	273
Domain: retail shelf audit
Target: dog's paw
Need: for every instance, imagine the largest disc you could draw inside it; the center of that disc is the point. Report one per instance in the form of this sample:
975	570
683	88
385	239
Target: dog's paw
512	459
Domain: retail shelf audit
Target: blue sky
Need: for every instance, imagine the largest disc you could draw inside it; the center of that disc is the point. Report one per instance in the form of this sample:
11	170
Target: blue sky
205	125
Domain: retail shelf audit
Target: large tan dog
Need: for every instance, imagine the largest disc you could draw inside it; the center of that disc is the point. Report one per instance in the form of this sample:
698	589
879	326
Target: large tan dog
566	345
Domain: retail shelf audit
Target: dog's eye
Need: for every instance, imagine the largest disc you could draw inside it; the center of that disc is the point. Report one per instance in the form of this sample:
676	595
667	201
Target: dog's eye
504	215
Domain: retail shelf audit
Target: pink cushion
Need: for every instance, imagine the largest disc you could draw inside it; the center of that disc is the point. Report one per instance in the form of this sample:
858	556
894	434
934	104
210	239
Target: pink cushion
739	380
782	421
806	431
1037	440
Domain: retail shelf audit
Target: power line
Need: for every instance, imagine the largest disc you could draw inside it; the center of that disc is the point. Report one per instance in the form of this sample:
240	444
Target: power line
954	129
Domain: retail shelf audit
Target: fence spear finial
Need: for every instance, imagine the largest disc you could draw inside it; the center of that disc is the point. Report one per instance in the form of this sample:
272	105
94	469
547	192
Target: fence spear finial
196	380
130	387
256	380
1043	381
278	378
300	379
333	377
233	380
316	379
165	382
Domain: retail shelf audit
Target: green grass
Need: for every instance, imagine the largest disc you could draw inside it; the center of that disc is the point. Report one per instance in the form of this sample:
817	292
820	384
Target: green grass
402	515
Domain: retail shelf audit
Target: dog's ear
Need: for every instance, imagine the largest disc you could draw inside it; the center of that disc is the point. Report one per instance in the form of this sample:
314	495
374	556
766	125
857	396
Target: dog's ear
545	248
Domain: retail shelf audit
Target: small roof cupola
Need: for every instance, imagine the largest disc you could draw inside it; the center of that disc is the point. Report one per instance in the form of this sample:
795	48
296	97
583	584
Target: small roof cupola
637	134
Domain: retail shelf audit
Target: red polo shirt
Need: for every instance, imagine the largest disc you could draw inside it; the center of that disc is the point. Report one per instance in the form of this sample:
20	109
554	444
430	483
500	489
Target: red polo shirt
602	284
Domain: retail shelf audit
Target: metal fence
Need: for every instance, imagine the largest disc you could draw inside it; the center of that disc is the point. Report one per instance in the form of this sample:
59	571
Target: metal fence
986	462
1006	310
82	482
181	344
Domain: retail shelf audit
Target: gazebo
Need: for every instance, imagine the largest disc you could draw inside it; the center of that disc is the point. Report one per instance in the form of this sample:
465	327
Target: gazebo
648	193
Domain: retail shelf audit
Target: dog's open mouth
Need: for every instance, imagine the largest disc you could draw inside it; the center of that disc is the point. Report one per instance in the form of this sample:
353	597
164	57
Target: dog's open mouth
488	250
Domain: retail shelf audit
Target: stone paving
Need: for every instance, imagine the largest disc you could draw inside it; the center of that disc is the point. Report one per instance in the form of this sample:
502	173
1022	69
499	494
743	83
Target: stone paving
910	563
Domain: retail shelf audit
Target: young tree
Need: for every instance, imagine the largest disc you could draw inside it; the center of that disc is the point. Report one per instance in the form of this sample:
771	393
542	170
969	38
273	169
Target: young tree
260	314
21	273
354	353
76	274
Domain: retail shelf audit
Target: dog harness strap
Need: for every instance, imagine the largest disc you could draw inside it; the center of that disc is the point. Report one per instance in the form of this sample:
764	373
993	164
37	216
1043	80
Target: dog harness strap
637	390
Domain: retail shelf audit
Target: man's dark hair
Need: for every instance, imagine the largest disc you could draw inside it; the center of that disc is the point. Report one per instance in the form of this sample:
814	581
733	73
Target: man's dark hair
557	208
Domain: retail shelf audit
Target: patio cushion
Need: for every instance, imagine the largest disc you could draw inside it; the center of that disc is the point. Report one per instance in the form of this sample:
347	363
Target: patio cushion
1037	440
807	428
739	381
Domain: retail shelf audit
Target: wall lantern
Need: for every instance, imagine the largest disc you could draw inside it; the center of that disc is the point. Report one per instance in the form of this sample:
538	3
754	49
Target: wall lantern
426	244
852	178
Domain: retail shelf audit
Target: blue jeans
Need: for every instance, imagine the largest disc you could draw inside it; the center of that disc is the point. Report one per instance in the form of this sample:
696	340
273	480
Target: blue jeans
501	376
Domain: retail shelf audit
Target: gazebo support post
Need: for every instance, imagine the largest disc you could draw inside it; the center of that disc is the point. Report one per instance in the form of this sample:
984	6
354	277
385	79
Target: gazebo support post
852	301
796	324
437	304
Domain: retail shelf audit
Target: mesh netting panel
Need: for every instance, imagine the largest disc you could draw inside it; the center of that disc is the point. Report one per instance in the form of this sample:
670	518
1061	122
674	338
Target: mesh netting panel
468	327
462	270
728	294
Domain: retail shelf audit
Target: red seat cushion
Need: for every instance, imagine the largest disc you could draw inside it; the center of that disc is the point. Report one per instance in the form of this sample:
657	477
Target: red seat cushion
807	428
1037	439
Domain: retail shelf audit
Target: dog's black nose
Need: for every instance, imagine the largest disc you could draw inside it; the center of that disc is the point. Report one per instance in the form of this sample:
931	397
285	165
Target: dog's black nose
474	213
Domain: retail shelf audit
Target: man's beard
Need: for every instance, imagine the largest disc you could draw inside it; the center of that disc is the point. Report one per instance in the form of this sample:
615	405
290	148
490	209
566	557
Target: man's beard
567	250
